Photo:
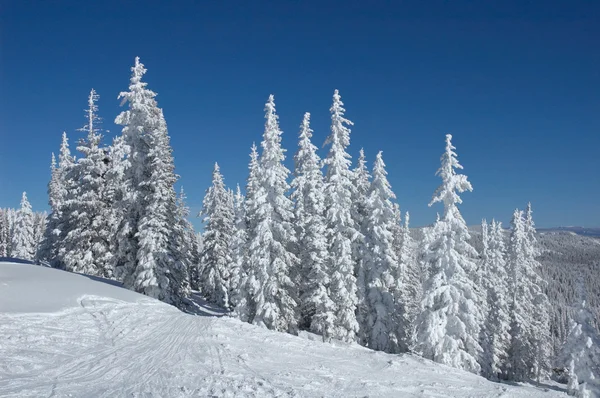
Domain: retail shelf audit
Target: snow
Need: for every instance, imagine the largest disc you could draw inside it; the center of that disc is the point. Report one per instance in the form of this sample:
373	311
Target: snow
64	334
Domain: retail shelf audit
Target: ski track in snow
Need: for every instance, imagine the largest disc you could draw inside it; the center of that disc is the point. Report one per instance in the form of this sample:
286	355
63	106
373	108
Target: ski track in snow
106	347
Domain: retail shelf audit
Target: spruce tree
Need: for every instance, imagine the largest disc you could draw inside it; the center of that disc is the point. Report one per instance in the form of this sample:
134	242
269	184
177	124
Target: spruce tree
447	330
216	258
412	286
530	330
147	258
86	243
238	244
316	307
187	242
362	182
23	243
382	276
341	229
496	336
245	306
271	238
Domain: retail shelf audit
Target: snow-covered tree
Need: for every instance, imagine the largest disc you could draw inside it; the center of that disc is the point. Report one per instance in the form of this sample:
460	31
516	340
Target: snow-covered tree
581	354
115	191
23	242
316	312
238	244
271	262
447	330
530	331
39	227
148	261
216	258
187	242
341	230
59	186
86	242
245	306
412	286
5	237
382	276
496	336
361	180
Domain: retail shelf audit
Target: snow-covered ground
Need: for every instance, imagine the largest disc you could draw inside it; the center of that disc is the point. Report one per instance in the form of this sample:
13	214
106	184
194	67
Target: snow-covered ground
64	334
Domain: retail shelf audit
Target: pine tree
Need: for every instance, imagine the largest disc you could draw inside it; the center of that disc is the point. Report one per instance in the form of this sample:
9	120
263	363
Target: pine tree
23	243
412	287
271	259
216	258
530	330
58	188
447	330
187	242
245	306
341	230
86	243
147	258
4	233
362	183
581	354
316	310
238	244
383	279
115	192
496	336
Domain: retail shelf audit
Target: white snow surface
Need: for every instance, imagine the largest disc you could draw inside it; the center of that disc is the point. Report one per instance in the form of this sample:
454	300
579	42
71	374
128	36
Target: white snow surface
68	335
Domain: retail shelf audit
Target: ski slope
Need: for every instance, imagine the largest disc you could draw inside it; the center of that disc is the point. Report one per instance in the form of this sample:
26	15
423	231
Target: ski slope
68	335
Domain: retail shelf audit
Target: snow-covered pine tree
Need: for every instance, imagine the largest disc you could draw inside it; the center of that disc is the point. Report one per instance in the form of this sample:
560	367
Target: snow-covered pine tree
216	257
530	331
147	259
4	233
187	242
447	330
341	230
238	244
316	307
541	317
581	354
245	306
86	243
382	277
58	187
23	243
271	259
496	336
412	286
40	219
361	180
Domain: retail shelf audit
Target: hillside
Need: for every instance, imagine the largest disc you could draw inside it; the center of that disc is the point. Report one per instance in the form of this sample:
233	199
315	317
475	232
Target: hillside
66	334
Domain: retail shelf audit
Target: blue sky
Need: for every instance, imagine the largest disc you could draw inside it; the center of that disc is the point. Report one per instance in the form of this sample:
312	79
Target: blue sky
516	82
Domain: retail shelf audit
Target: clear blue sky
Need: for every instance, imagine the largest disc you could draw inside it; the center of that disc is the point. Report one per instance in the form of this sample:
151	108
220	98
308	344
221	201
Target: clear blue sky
516	82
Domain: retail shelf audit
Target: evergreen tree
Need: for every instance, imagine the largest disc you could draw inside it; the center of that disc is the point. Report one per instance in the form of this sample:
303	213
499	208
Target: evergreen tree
216	258
341	230
115	192
23	243
238	244
4	233
447	330
412	287
530	330
383	279
187	242
496	340
316	310
245	305
59	186
86	242
271	261
581	354
362	184
147	258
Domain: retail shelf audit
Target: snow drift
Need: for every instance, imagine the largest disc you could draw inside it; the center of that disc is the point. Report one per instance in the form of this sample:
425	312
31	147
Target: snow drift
64	334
